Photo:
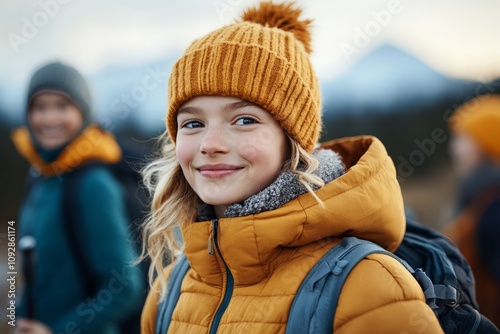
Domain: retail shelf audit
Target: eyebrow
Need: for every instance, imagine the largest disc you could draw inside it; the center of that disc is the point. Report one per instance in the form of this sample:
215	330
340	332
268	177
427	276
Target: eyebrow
190	110
237	105
228	107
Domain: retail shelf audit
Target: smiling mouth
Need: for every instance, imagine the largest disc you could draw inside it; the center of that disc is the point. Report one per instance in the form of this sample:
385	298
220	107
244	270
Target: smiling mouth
51	132
218	171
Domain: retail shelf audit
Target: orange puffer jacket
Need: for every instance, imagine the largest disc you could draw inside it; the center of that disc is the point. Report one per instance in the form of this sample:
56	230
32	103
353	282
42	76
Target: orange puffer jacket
269	254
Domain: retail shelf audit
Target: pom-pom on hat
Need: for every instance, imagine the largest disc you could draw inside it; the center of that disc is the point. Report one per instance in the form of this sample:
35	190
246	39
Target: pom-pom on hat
479	118
263	59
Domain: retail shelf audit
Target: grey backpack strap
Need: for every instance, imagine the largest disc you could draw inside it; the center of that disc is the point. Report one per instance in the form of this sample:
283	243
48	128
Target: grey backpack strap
167	305
314	305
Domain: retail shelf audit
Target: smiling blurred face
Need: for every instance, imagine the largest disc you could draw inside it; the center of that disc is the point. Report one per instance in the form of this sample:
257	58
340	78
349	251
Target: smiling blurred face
54	119
465	154
228	149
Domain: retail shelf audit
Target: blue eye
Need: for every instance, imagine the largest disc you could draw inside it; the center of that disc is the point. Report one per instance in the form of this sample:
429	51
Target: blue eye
192	125
245	121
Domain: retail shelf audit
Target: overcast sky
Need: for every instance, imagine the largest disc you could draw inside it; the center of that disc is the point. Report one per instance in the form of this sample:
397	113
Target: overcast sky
457	37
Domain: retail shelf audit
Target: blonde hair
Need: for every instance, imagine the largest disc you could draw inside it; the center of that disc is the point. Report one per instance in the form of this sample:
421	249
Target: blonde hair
173	200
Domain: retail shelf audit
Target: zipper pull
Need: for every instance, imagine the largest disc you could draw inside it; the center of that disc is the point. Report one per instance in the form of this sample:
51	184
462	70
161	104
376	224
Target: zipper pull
211	250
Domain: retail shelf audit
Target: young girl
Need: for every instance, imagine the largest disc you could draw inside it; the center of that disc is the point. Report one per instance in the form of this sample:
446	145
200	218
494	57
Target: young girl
257	202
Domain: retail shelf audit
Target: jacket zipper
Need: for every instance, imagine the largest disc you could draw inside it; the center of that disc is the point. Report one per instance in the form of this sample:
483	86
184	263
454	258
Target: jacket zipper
228	293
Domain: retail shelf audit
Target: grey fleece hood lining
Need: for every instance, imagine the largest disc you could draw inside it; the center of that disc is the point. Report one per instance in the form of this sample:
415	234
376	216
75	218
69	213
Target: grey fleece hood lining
285	188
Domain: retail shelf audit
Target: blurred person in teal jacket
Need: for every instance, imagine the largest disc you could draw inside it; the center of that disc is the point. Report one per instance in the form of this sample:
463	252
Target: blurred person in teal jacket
58	140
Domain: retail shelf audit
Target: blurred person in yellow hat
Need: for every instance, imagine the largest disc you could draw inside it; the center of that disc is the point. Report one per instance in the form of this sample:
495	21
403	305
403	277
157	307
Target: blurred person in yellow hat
475	153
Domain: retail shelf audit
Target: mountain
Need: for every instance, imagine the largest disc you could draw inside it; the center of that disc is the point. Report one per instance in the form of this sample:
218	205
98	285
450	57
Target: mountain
134	96
386	79
385	82
401	100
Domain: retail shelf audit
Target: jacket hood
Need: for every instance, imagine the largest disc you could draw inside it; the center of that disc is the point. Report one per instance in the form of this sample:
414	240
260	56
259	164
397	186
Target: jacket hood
365	202
93	144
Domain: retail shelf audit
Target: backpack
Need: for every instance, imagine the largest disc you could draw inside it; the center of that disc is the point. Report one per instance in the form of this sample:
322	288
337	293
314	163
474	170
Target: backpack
477	221
126	173
441	271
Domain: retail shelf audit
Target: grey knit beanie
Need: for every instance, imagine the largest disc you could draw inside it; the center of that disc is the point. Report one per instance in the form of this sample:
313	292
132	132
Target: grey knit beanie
65	79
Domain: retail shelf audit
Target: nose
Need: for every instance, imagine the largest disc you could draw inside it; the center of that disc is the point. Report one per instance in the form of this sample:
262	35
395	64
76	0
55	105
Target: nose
50	117
215	141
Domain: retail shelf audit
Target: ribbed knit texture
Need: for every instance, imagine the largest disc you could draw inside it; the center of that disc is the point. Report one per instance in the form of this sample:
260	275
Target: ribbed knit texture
264	65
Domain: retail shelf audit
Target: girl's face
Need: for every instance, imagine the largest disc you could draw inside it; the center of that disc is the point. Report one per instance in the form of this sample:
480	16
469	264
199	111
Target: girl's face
228	149
54	119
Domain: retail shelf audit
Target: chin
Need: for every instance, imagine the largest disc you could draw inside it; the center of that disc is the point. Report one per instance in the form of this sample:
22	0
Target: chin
51	146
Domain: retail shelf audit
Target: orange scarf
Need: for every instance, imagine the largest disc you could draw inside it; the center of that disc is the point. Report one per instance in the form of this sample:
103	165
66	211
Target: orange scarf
94	144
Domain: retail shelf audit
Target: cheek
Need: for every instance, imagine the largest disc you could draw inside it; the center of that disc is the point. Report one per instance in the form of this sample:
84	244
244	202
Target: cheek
254	146
266	146
34	119
74	119
462	148
184	151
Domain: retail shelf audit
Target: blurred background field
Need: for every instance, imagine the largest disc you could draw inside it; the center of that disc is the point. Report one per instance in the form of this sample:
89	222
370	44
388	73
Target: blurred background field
393	69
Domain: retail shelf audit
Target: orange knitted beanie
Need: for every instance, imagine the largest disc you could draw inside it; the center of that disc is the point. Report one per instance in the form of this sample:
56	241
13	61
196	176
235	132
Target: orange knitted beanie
480	119
264	59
